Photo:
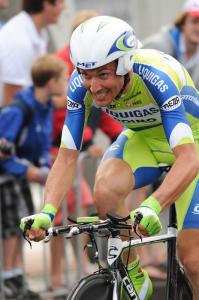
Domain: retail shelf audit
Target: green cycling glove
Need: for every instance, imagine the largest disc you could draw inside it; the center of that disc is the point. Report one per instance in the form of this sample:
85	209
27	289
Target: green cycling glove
150	222
43	219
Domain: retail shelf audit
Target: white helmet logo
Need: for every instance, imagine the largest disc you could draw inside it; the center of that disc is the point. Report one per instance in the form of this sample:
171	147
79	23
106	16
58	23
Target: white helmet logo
130	41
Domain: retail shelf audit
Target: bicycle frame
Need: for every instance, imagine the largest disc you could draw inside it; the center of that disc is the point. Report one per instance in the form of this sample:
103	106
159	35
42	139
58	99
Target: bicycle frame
170	235
170	238
116	247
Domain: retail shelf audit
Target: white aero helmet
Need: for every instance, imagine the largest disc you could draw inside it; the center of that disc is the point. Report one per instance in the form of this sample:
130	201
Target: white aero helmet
101	40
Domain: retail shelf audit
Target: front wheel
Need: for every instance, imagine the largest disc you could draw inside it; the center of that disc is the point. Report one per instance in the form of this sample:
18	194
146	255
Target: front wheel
96	286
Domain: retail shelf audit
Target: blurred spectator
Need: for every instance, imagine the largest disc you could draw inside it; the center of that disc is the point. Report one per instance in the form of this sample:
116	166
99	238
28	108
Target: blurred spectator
23	39
181	40
6	149
80	17
3	4
30	162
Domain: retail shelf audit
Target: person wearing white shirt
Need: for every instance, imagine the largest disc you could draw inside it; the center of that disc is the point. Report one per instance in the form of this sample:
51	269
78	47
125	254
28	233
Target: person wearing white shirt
3	4
22	40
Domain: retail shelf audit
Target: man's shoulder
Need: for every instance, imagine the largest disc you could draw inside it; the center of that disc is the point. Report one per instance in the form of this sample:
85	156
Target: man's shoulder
147	56
15	24
149	63
153	58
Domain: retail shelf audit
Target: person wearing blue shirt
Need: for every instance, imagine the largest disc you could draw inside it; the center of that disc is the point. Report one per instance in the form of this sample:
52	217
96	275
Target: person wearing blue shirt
30	161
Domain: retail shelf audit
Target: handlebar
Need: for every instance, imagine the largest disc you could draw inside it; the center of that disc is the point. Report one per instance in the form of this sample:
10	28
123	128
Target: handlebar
89	225
94	224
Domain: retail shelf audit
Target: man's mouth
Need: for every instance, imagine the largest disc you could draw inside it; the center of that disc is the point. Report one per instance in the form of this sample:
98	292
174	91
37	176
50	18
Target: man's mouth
100	96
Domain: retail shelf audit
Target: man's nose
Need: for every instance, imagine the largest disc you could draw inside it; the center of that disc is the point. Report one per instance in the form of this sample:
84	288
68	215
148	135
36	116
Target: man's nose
95	85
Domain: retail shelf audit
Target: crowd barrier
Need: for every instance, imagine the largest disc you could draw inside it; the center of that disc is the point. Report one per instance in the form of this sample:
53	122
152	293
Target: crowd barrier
42	280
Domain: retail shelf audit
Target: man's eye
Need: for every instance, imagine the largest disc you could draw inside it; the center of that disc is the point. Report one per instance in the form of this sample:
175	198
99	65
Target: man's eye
85	76
104	75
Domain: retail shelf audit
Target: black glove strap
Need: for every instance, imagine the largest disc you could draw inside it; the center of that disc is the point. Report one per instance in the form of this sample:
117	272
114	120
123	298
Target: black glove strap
27	226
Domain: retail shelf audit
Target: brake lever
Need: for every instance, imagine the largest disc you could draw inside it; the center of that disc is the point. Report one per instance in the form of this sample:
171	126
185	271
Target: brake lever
27	226
49	235
138	218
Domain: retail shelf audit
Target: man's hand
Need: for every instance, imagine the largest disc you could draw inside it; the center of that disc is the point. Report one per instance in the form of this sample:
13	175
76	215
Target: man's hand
150	222
41	222
36	174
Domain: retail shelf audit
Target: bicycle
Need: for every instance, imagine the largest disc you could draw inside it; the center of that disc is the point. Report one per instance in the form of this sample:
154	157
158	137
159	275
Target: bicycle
113	282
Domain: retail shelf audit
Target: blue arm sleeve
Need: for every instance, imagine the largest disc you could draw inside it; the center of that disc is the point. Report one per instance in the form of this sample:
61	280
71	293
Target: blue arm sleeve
73	129
11	120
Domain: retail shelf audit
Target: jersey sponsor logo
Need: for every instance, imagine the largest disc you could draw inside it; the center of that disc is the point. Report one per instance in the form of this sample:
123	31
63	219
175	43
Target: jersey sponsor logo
153	78
76	82
133	103
148	114
72	105
191	98
115	105
196	209
171	103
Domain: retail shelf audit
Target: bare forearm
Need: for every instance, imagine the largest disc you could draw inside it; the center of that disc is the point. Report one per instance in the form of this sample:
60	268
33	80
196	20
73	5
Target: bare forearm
61	177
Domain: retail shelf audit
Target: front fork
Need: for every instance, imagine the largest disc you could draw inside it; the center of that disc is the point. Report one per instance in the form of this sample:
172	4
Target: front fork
123	287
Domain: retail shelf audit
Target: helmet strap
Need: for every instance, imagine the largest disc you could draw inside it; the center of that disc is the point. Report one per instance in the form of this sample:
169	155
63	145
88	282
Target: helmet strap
126	81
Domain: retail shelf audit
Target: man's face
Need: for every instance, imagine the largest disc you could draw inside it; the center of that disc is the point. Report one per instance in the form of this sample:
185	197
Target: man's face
103	83
191	29
4	3
51	12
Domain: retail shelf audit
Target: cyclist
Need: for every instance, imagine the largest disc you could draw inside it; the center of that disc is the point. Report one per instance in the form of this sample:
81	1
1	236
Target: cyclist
154	97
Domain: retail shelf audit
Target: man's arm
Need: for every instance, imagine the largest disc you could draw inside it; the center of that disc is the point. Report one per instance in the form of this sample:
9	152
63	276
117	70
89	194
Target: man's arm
183	171
61	176
58	184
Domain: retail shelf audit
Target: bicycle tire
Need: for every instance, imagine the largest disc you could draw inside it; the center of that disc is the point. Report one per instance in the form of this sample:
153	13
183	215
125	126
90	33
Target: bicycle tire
96	286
